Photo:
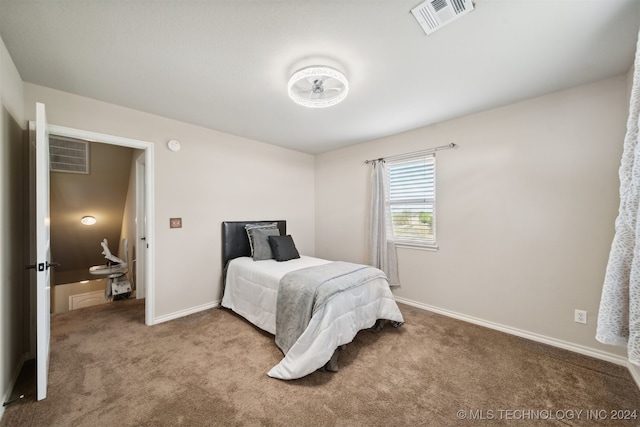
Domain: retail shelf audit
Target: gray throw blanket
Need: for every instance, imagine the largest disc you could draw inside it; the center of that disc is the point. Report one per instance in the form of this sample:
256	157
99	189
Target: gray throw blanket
303	292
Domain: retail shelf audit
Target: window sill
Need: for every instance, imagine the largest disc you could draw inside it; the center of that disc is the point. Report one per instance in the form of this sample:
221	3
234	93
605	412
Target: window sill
420	247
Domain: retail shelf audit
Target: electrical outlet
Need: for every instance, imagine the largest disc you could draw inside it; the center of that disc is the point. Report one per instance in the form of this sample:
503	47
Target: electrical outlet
580	316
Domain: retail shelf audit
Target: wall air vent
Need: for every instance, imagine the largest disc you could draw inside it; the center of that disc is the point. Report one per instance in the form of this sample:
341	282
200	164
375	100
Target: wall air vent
434	14
68	155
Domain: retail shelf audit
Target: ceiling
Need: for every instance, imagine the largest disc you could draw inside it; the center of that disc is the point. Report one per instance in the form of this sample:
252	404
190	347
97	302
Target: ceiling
225	65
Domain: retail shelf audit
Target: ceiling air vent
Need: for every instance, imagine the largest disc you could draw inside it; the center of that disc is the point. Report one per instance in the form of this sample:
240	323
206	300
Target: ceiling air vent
434	14
68	155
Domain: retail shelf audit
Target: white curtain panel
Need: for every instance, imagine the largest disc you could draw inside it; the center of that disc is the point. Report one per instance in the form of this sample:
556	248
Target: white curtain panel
382	251
619	315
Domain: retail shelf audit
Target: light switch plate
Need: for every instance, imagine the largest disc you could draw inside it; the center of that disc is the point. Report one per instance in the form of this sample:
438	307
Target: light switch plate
175	222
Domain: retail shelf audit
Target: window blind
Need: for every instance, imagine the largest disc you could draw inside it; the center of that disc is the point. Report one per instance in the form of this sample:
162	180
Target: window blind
412	197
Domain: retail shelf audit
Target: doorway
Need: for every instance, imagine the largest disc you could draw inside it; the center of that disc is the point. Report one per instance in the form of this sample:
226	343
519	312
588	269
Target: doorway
140	228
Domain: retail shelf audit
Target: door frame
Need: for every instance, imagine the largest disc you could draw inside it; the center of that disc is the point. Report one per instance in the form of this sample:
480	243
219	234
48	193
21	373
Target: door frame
149	223
141	226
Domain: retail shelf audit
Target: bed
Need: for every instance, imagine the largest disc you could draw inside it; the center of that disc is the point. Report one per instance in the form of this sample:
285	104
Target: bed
269	290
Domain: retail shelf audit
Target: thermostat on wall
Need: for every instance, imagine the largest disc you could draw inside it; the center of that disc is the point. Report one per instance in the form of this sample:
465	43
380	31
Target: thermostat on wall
173	145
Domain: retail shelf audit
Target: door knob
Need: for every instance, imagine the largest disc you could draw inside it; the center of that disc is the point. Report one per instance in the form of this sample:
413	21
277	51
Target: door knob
42	266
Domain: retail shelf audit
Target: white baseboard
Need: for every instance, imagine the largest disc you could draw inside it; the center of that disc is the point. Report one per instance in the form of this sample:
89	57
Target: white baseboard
635	372
182	313
587	351
12	383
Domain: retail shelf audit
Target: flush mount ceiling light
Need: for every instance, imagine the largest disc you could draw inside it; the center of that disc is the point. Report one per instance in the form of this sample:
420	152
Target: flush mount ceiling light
88	220
318	87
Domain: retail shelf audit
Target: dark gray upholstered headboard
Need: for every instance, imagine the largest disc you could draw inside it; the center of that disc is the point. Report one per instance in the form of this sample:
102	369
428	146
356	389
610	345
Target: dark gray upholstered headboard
235	242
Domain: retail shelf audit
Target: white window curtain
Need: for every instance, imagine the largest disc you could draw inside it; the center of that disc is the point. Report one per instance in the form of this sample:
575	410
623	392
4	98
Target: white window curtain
619	314
382	251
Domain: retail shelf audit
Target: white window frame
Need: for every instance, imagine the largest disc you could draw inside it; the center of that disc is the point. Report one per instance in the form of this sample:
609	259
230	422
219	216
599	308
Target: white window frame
406	201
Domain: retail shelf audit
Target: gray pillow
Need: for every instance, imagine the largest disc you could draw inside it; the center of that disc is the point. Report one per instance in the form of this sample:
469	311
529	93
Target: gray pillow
260	239
283	248
249	227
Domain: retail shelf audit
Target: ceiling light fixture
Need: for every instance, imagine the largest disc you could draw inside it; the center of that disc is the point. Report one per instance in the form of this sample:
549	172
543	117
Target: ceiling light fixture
318	87
88	220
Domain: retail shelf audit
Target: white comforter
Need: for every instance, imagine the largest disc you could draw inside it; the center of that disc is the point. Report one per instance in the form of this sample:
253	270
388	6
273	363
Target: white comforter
251	290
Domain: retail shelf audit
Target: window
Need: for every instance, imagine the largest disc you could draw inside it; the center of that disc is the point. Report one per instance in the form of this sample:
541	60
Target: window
412	198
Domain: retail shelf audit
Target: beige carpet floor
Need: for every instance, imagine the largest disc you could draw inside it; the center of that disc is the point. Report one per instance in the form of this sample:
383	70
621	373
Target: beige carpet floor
108	369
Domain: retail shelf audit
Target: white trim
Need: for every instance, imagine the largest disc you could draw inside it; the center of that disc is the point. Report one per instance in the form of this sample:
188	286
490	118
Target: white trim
182	313
416	246
141	236
12	383
150	270
576	348
148	148
634	370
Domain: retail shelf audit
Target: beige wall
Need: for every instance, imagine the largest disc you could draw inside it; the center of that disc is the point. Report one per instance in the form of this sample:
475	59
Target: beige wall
13	312
525	210
215	177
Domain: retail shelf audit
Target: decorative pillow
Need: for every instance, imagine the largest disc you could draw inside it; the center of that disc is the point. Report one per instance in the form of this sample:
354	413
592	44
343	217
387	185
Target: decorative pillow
261	247
249	227
260	225
283	248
